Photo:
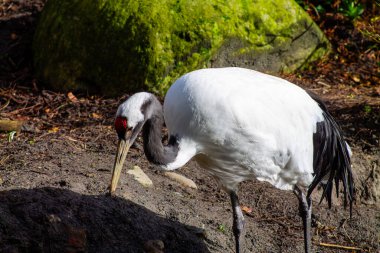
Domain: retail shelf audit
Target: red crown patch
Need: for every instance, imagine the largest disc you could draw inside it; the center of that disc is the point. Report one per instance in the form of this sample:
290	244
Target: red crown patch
120	125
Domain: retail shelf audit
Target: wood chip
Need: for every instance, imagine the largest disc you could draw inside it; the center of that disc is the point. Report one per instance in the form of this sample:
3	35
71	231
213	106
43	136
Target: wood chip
11	125
140	176
181	179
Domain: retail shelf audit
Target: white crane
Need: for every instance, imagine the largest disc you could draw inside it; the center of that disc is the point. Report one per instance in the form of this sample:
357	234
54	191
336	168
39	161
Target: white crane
240	124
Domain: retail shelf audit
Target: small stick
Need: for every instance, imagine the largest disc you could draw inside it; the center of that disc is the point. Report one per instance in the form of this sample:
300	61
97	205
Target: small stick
324	84
23	109
338	246
3	160
5	105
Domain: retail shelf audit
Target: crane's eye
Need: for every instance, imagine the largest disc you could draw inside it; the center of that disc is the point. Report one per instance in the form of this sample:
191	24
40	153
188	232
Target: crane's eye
121	126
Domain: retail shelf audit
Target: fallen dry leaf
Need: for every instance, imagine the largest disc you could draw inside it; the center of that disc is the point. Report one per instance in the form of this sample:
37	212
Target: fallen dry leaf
246	209
53	130
14	8
377	90
72	98
96	116
356	79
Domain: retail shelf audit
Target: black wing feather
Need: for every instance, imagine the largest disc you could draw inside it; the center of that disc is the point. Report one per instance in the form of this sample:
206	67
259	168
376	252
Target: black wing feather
331	159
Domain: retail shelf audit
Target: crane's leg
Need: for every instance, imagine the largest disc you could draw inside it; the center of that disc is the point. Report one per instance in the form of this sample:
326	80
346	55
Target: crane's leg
238	220
305	213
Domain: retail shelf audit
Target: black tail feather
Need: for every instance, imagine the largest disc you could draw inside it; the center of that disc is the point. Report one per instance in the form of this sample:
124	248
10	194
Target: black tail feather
331	159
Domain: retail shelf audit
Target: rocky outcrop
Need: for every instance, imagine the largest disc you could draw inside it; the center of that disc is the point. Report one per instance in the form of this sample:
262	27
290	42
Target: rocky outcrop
124	45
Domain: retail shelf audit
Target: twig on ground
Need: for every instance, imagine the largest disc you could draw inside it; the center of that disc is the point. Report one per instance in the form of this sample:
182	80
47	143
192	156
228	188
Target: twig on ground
4	159
337	246
24	109
341	226
324	84
5	105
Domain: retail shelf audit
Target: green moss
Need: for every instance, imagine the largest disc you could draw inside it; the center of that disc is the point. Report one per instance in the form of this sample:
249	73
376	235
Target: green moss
129	45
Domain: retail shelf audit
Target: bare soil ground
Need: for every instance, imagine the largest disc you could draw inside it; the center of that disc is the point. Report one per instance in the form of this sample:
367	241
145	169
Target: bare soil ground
55	173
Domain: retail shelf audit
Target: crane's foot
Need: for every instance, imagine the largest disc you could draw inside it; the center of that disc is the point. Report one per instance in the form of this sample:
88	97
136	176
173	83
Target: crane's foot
305	213
238	221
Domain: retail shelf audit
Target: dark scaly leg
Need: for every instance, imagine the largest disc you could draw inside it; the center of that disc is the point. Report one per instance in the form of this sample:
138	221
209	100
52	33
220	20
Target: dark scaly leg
305	213
238	220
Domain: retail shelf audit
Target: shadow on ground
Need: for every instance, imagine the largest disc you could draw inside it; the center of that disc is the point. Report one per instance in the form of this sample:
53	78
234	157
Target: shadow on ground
57	220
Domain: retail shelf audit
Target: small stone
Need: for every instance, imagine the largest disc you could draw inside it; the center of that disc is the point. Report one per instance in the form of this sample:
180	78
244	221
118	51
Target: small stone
200	232
154	246
78	187
184	181
140	176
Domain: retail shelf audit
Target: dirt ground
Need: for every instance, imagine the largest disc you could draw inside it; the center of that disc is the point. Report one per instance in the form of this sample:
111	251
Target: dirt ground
54	174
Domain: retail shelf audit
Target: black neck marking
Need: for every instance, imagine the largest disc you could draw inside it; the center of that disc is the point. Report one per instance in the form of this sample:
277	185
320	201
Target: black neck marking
154	150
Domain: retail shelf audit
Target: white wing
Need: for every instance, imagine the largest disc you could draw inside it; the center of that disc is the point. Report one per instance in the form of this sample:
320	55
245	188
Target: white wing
263	124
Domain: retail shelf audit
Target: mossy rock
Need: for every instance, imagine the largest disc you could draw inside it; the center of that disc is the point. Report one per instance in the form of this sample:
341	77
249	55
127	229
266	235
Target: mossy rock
113	46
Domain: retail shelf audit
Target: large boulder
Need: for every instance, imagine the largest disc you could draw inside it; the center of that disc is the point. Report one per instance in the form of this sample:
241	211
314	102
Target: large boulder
113	46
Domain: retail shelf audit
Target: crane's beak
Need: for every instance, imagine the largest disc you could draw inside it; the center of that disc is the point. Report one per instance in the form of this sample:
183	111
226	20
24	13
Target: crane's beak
122	150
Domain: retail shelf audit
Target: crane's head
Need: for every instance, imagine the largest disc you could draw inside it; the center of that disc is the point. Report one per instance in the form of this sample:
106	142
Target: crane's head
130	118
